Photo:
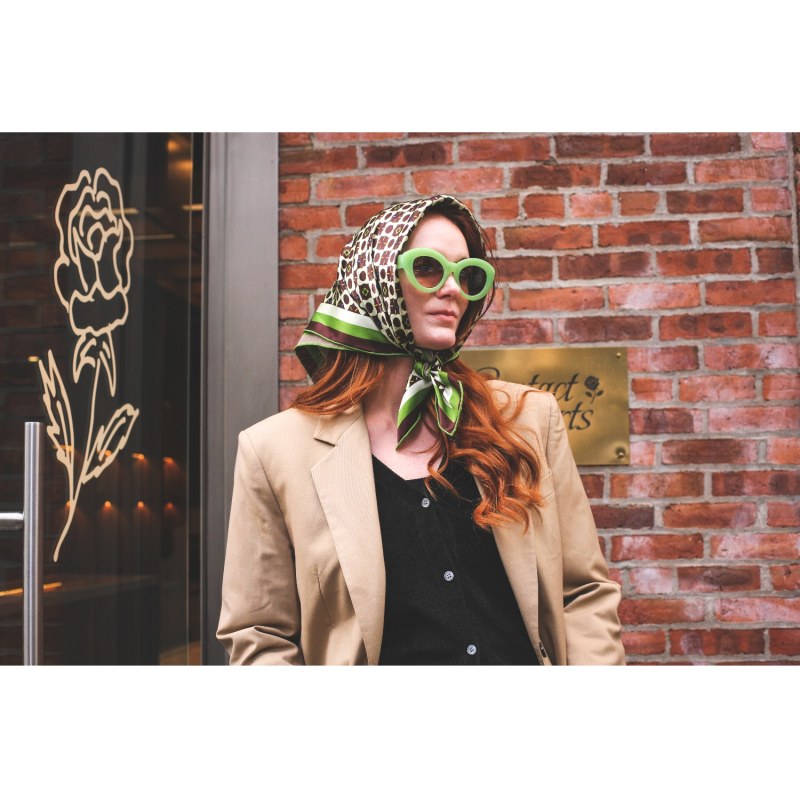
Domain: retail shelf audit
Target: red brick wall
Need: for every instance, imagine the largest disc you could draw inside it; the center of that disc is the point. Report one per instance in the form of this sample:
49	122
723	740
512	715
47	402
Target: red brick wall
682	247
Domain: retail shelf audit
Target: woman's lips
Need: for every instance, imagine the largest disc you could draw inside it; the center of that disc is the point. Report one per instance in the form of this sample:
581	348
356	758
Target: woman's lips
444	314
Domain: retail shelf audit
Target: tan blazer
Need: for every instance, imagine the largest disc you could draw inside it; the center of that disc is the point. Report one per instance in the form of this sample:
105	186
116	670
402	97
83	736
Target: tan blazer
304	578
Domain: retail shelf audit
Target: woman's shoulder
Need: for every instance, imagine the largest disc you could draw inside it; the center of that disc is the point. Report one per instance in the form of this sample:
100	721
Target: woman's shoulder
284	427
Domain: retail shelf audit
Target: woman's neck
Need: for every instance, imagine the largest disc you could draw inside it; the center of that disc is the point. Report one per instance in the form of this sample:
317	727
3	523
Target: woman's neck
382	404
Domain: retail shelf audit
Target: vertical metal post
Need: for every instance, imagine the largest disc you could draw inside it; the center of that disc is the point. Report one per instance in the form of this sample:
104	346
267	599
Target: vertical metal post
33	557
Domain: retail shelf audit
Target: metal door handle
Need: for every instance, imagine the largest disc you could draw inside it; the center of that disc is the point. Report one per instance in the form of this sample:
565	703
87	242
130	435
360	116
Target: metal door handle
31	520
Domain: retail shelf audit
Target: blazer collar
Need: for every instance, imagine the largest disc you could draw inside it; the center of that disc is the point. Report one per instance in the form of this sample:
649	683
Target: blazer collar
346	487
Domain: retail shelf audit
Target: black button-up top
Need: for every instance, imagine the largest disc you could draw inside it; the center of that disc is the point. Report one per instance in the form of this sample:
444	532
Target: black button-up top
448	600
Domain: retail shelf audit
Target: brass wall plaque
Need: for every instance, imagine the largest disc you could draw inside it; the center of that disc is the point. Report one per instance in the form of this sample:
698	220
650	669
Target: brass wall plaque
589	383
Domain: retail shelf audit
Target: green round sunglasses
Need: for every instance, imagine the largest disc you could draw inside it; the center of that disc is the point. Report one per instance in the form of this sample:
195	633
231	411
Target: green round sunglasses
428	270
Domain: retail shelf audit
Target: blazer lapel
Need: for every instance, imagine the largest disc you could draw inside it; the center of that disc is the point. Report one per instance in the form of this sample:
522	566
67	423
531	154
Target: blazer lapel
346	487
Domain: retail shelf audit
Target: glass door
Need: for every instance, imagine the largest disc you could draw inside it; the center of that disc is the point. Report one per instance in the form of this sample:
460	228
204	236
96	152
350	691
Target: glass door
100	319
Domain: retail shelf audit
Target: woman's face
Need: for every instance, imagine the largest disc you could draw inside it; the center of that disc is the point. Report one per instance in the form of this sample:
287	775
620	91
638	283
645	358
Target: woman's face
434	317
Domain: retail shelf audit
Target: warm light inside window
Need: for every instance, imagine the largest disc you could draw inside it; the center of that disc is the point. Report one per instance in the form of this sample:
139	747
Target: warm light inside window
107	504
33	359
169	460
140	504
138	456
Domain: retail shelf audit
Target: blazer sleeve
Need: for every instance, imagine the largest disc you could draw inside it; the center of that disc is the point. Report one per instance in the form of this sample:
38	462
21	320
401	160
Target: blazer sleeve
260	618
591	598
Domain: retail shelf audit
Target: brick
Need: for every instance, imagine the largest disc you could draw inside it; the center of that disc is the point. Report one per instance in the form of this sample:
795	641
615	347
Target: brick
646	173
290	368
710	515
719	579
703	262
307	218
656	547
358	186
500	208
631	234
592	204
706	326
754	418
757	609
548	237
717	388
750	292
768	141
751	356
770	198
716	642
656	612
555	176
663	359
292	248
777	323
737	170
664	484
25	287
643	454
425	154
512	331
331	246
339	136
593	485
756	545
604	265
783	515
307	276
293	139
637	203
632	517
287	394
288	335
652	390
572	299
644	643
294	190
453	181
664	420
308	160
605	329
357	214
763	229
544	206
597	145
775	260
293	306
783	451
524	268
785	641
785	578
654	295
652	580
694	144
530	148
781	387
705	202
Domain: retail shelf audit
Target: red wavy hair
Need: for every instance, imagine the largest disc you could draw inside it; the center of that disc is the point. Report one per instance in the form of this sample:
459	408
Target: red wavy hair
502	462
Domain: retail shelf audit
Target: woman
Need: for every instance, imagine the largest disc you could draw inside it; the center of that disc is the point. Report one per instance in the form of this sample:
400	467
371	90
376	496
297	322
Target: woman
405	510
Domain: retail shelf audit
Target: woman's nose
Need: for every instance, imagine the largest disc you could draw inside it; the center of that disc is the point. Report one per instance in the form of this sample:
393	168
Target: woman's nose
450	286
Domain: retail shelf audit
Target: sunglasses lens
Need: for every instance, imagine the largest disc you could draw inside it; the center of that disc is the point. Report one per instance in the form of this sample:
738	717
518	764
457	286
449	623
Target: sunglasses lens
473	280
428	271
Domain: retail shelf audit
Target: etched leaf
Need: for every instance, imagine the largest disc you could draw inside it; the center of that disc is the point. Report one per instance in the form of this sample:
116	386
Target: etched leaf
110	439
56	403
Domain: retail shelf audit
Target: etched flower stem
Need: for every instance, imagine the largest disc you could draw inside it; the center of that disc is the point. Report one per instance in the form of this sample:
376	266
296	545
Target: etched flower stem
75	490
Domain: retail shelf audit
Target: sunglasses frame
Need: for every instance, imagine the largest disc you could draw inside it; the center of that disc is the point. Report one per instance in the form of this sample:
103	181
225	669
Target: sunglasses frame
405	262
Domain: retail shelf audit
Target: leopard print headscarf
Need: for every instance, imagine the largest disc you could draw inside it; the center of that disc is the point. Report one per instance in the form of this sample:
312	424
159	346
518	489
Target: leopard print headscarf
364	312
